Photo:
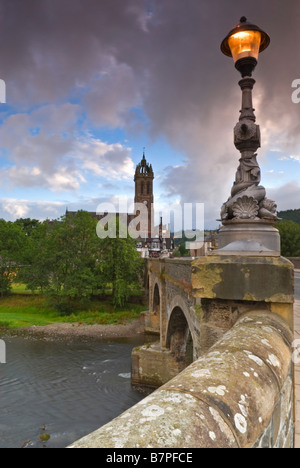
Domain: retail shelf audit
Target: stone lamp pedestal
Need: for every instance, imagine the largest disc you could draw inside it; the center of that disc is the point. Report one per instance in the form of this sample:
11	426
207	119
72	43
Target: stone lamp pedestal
248	216
247	237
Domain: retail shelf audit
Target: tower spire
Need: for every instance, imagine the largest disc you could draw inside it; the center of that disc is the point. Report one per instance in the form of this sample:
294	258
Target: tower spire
143	178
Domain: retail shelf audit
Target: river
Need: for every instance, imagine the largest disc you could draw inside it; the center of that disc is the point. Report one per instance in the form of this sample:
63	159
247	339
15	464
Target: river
65	389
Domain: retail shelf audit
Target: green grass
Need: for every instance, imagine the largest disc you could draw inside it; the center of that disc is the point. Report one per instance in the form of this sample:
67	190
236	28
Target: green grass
22	311
19	288
18	311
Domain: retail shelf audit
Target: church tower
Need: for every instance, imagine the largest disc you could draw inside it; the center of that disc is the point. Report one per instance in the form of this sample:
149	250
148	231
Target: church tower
143	179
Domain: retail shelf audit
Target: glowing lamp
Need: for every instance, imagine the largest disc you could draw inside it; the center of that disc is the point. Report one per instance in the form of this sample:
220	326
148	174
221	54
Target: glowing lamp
243	44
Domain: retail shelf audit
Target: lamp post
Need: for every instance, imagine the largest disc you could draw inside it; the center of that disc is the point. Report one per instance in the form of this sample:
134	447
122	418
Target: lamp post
247	216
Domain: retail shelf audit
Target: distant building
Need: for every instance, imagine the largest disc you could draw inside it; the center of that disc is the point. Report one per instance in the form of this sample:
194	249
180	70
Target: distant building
143	179
201	249
151	241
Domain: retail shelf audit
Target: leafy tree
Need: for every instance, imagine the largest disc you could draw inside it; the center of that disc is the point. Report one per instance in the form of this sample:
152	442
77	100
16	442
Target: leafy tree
70	263
12	242
64	260
181	251
290	215
28	225
74	251
37	263
122	266
290	238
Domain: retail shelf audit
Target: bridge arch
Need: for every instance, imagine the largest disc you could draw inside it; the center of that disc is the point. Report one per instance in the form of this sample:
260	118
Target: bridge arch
156	300
147	285
179	338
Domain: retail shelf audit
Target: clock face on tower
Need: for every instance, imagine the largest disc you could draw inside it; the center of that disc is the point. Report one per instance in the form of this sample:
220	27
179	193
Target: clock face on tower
145	202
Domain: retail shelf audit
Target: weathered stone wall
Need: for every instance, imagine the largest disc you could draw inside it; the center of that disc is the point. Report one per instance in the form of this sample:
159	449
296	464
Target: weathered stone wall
280	431
228	286
179	293
239	394
172	277
170	292
211	293
151	366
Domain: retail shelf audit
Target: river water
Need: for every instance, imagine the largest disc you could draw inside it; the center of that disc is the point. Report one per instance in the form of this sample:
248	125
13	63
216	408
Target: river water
66	389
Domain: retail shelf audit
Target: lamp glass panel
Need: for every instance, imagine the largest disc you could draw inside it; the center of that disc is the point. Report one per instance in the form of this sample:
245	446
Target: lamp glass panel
245	44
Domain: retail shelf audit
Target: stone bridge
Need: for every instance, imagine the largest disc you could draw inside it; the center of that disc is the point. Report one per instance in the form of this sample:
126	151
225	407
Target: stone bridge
193	303
223	360
173	316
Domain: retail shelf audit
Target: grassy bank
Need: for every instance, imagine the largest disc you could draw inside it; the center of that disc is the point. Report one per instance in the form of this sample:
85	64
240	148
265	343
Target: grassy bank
18	311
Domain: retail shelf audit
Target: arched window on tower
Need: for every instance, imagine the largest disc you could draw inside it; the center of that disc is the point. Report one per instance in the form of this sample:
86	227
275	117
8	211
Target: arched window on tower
148	188
142	188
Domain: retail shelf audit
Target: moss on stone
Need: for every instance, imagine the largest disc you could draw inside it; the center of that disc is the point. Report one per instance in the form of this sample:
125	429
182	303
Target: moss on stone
205	278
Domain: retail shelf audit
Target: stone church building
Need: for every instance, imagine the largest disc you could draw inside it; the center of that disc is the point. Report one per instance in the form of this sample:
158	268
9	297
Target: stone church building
151	241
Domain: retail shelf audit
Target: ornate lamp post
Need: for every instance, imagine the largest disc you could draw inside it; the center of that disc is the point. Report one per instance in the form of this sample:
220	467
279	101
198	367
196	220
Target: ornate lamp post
247	216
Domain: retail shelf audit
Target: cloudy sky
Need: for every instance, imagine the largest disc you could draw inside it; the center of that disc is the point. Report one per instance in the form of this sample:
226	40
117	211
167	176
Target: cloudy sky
89	83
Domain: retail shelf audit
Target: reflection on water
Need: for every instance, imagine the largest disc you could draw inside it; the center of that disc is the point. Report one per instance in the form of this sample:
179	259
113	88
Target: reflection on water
65	389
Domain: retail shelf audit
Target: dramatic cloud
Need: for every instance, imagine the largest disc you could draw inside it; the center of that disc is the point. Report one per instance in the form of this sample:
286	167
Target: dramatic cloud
44	150
74	67
288	194
113	92
19	208
109	161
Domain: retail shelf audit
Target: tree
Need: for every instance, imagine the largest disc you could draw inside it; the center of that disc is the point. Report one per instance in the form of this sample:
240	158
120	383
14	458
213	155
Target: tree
290	238
37	263
69	263
28	225
122	267
75	253
181	251
64	260
290	215
12	243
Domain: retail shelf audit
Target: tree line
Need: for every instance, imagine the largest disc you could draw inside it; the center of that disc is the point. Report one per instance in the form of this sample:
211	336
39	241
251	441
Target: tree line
67	262
290	238
290	215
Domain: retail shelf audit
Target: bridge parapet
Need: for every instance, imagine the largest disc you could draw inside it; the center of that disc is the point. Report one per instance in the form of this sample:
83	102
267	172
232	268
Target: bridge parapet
193	303
239	394
228	286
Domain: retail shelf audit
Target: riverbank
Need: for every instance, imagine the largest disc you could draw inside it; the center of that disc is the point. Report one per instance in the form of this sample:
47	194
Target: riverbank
133	328
32	316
